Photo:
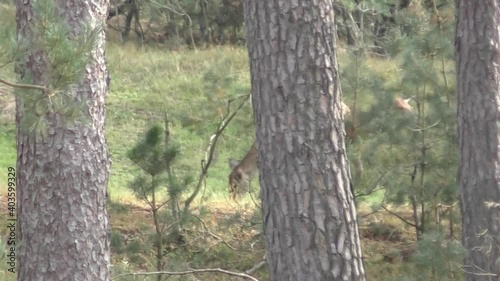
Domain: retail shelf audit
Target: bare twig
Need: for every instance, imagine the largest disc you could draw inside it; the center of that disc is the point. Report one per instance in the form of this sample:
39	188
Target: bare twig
375	184
370	213
159	5
226	119
6	63
482	273
193	271
256	267
214	235
202	164
399	217
423	129
377	209
251	195
25	86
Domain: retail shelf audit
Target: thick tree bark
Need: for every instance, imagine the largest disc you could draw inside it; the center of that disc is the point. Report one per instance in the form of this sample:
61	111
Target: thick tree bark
308	210
478	79
62	175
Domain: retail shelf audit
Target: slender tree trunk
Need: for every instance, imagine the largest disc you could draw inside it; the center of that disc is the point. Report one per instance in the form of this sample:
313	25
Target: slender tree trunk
478	79
202	22
132	13
158	227
173	30
63	174
309	215
348	29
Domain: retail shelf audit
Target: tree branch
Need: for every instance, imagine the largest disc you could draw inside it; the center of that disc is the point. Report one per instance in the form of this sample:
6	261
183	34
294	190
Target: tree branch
399	217
25	86
213	235
256	267
180	14
205	165
375	184
194	271
118	9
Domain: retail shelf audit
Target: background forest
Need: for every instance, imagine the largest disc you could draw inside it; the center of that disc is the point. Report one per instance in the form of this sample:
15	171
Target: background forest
185	62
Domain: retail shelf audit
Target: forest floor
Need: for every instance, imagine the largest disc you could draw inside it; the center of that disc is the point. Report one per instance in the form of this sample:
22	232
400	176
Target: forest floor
230	238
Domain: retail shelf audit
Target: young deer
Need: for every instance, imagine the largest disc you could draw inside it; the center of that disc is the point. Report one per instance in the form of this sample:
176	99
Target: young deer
245	170
242	171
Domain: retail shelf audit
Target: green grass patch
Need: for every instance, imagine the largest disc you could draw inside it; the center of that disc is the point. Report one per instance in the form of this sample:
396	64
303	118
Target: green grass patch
193	88
7	152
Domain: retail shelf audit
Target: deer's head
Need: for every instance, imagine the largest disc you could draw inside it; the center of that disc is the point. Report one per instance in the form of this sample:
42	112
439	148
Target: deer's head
242	171
235	179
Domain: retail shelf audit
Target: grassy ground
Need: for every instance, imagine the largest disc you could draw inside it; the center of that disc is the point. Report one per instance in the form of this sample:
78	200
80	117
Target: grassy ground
191	89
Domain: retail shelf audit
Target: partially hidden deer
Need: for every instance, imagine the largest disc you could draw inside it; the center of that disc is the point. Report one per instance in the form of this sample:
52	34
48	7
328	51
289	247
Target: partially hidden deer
245	170
403	104
242	171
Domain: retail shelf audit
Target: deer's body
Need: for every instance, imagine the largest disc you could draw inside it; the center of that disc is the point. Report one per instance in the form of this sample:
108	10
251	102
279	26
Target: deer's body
243	171
402	104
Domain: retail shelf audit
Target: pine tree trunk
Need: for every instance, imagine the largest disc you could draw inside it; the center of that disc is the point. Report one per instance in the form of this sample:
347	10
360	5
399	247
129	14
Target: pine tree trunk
62	175
309	215
478	78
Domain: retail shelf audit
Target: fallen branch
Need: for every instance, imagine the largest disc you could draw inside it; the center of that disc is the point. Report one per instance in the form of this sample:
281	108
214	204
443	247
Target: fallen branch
214	235
194	271
255	267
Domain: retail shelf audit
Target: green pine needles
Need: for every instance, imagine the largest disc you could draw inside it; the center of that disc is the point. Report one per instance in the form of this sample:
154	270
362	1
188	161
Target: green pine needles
63	56
155	154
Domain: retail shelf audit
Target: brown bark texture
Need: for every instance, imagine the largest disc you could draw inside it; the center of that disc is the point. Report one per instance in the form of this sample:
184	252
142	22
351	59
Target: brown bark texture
63	174
478	80
308	210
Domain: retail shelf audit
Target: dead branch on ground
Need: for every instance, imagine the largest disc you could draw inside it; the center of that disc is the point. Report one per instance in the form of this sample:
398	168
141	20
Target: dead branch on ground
213	234
193	271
